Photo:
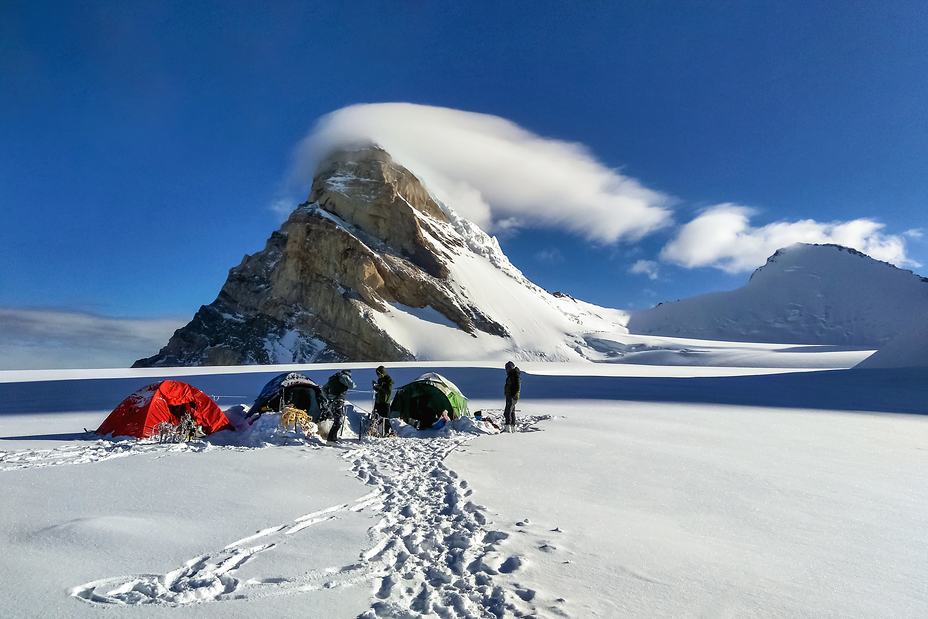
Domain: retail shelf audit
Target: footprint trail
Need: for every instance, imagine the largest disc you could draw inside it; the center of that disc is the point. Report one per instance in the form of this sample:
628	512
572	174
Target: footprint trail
433	552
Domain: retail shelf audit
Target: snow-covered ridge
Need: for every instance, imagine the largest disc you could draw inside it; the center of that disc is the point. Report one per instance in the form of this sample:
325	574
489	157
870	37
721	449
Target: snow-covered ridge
772	260
804	294
482	244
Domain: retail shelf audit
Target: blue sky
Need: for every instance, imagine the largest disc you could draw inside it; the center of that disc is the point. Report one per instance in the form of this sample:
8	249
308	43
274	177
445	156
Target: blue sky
146	147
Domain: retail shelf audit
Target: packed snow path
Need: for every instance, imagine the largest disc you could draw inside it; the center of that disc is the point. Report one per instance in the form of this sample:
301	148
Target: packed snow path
434	553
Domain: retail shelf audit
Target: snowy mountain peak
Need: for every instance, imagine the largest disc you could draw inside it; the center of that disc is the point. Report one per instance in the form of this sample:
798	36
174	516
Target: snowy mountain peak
369	190
372	267
821	257
804	294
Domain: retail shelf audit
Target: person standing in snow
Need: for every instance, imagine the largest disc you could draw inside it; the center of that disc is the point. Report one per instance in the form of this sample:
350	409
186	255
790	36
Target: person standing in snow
512	391
383	389
334	390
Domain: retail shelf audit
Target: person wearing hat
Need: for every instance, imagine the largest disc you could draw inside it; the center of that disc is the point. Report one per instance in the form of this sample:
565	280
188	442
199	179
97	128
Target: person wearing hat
512	390
383	389
334	390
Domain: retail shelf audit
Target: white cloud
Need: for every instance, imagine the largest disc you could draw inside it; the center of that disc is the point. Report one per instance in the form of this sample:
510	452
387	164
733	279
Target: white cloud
503	178
52	339
722	237
915	233
491	170
551	256
283	206
646	267
505	228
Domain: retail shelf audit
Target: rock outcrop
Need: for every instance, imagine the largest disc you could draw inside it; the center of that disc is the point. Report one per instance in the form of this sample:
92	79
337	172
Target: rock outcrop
370	236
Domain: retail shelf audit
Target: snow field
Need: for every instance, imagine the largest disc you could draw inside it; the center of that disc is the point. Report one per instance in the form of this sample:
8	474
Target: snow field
165	528
694	510
658	492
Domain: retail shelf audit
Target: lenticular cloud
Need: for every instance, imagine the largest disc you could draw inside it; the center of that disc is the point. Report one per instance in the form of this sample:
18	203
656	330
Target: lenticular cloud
493	172
502	177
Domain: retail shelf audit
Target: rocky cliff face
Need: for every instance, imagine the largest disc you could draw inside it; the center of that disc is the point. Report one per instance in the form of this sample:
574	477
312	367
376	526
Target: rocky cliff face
369	238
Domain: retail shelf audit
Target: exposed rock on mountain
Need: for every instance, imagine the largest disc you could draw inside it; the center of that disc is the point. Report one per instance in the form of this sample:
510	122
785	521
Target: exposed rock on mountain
805	294
373	268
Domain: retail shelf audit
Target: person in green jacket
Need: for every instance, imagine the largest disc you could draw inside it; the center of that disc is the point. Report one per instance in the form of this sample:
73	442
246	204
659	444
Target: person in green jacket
383	389
512	391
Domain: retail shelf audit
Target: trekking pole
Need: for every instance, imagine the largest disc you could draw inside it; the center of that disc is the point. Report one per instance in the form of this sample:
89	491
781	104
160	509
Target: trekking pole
341	429
361	425
370	415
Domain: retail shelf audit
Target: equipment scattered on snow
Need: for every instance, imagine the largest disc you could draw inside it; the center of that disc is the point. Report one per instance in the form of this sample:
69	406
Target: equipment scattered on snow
373	424
301	403
422	402
187	410
298	418
185	431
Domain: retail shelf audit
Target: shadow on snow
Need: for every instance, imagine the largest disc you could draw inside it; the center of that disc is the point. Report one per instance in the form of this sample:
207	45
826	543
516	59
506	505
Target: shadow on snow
889	391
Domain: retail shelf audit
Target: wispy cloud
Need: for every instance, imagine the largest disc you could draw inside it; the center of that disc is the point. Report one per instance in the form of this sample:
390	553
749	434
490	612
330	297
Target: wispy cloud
504	178
283	206
551	256
722	237
51	339
645	267
491	170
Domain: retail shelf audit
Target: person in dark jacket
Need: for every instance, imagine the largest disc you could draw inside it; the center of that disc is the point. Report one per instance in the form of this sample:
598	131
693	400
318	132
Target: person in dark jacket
512	390
334	390
383	389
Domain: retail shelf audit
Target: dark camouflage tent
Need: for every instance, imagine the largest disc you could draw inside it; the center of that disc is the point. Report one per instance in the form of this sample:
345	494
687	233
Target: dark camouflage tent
291	388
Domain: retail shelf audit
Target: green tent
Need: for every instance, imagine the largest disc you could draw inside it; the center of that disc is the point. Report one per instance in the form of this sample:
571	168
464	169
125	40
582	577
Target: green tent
421	402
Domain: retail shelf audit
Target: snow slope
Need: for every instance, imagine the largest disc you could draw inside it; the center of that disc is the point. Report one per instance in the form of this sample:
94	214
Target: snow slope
909	349
539	326
647	491
805	294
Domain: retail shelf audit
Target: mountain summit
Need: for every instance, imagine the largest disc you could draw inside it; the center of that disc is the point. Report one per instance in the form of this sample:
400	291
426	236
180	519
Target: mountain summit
804	294
373	268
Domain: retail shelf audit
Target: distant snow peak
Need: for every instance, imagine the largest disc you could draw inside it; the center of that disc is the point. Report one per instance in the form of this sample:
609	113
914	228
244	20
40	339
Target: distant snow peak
804	294
797	250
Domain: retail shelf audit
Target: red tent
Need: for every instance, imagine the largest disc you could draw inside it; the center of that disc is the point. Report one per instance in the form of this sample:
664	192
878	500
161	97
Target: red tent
165	401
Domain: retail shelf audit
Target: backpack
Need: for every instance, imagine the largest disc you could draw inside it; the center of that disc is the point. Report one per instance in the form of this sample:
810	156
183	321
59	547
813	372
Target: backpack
338	384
